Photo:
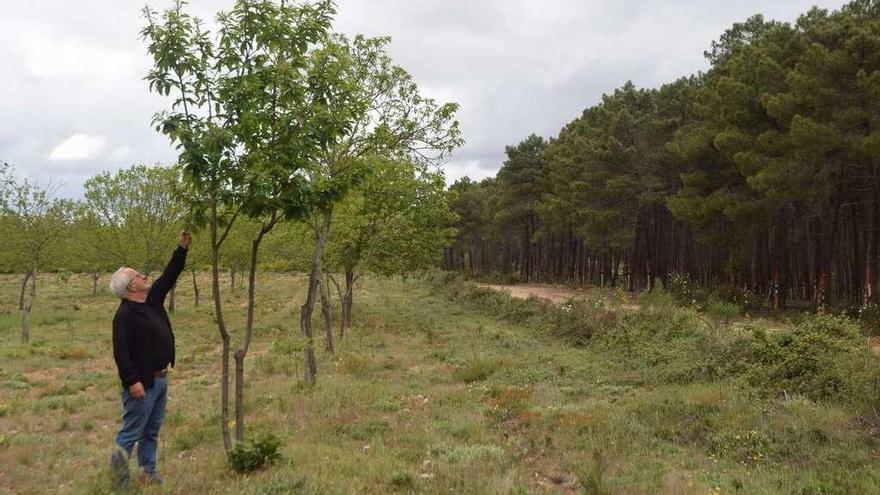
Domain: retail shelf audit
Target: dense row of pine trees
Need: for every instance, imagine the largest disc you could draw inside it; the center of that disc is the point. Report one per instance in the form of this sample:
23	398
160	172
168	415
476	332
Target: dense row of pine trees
761	173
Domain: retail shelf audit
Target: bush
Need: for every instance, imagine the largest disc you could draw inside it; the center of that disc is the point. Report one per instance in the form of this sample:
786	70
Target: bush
255	454
509	402
813	359
402	479
656	297
685	291
517	311
736	295
723	311
477	370
869	319
578	322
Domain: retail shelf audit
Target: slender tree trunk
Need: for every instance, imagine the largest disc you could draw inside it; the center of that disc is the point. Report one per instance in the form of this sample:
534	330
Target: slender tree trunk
339	293
28	305
326	315
27	276
871	251
171	300
95	276
348	299
221	327
305	321
241	352
232	279
195	288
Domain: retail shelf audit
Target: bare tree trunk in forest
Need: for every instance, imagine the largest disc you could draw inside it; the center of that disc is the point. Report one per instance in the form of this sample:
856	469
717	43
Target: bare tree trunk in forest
171	300
825	259
241	352
871	251
326	315
28	304
195	287
232	279
95	276
305	321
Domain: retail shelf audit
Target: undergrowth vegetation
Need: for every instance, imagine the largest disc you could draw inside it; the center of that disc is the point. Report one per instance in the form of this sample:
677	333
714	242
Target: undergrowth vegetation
444	387
824	357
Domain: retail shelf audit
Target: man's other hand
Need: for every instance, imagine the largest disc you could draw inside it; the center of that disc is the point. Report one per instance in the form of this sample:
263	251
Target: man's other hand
185	239
137	391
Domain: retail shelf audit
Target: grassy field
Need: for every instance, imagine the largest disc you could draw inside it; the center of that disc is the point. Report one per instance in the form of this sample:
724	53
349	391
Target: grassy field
446	389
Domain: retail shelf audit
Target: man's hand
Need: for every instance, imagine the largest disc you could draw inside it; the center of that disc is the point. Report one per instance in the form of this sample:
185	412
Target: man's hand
185	239
137	391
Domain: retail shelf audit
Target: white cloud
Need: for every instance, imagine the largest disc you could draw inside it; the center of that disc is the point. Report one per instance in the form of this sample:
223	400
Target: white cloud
122	153
473	169
47	54
79	147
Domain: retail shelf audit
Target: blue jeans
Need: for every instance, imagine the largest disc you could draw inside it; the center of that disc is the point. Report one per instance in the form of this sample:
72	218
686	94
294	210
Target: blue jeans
141	420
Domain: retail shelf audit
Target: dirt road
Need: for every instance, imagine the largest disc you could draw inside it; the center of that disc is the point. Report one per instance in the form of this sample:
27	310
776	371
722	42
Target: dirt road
544	292
551	293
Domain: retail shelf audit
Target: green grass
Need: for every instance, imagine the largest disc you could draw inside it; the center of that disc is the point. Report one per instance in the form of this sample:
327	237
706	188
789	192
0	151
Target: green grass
441	388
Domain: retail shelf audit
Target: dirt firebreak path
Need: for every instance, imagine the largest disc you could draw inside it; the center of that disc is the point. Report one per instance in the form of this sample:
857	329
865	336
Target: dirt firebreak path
549	293
544	292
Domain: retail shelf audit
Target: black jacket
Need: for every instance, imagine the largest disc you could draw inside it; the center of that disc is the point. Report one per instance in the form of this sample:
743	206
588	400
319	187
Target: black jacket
134	345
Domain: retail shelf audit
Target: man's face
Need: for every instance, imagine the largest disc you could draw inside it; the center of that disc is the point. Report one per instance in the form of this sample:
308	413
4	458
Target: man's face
138	281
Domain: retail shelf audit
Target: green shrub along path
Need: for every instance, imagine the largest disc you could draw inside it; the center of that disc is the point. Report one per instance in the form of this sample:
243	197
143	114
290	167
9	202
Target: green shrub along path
444	387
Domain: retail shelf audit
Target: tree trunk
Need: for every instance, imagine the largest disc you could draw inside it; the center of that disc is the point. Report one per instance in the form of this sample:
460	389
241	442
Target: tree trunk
326	316
341	303
28	304
232	279
171	300
305	321
27	276
241	352
871	251
95	276
221	327
348	299
195	288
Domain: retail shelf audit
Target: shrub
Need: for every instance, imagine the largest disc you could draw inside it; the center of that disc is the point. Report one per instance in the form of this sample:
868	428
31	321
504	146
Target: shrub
578	322
748	447
813	359
402	479
477	370
656	297
507	403
723	311
255	454
518	311
685	291
869	319
736	295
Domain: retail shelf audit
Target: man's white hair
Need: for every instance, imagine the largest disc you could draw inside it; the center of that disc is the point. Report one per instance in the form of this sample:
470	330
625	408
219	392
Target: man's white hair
119	282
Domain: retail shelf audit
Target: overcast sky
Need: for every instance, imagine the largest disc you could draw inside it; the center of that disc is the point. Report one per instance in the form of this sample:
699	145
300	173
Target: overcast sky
74	102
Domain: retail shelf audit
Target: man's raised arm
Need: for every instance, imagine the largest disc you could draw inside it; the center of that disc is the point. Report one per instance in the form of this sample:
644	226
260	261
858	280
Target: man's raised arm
169	276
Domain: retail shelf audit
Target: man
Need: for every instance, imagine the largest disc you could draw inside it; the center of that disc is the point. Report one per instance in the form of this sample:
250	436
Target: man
143	347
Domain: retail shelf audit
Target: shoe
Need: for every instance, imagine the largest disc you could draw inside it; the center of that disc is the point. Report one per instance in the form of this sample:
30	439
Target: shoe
149	478
119	474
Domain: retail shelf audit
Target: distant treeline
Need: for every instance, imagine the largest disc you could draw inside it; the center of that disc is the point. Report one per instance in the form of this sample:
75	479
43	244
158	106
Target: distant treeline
761	173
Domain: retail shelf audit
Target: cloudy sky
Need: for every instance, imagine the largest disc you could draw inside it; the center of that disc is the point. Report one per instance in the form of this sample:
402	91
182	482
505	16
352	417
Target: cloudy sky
74	103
